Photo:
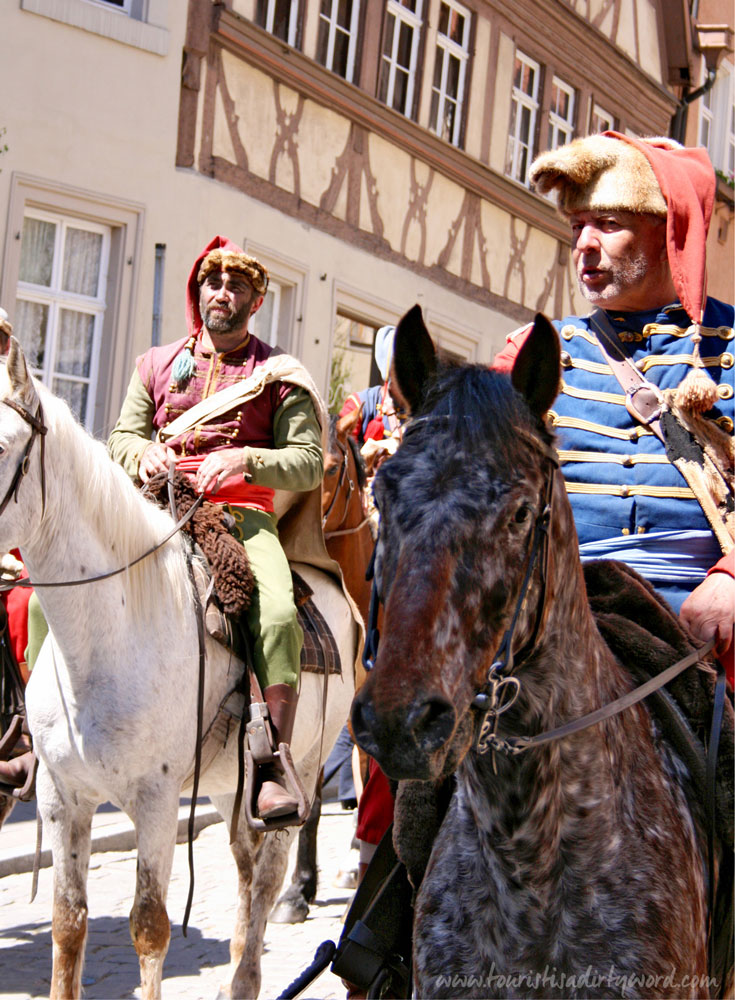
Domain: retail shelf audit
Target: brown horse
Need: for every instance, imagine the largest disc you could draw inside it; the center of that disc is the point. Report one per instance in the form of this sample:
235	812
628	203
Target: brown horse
574	868
350	543
344	517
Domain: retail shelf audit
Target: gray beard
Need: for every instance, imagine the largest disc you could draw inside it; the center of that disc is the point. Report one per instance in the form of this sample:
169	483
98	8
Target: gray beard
626	274
220	323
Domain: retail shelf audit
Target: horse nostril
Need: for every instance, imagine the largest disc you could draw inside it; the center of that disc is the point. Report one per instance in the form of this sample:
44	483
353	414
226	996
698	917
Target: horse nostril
431	723
362	719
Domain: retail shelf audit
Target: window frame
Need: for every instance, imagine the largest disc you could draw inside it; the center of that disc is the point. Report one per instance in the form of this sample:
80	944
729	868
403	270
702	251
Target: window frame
717	114
57	299
126	221
293	20
142	26
558	125
449	48
599	112
414	20
352	35
520	100
122	8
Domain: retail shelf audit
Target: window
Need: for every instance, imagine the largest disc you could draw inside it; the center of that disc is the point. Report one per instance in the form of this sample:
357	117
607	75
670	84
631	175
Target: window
524	112
717	121
561	114
280	17
143	25
353	366
400	54
450	67
60	304
338	36
121	5
264	323
601	121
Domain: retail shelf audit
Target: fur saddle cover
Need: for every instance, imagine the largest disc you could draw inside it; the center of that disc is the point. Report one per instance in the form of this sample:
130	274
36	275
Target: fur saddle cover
234	582
646	636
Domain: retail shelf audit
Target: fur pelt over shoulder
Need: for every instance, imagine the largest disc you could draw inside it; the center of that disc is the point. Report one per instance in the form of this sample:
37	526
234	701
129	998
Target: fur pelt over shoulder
233	578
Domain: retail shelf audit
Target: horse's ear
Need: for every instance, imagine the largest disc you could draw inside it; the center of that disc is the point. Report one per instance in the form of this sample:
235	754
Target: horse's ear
346	424
20	381
414	357
537	367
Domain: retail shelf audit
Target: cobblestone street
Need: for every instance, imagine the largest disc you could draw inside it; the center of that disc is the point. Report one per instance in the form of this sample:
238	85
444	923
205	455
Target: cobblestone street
196	965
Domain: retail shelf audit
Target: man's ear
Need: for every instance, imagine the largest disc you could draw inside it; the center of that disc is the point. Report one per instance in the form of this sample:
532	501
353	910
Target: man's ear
257	304
537	368
414	358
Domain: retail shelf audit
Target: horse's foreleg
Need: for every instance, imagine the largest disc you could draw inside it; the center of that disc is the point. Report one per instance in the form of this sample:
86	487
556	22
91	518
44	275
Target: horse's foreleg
70	833
155	822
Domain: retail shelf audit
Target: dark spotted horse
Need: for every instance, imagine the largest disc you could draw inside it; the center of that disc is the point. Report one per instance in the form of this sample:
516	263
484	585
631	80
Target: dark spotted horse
572	859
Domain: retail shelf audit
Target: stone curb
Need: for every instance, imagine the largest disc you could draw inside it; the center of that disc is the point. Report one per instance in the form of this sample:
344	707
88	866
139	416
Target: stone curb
118	836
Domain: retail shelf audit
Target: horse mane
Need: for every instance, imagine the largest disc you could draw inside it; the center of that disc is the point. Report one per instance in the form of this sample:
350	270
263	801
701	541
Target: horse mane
353	446
485	411
111	506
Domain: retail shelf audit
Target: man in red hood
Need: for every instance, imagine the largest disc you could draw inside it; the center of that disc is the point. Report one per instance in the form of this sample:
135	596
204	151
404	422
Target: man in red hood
240	432
639	210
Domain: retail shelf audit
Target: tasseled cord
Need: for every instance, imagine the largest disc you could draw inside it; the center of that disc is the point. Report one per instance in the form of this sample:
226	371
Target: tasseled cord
698	391
184	363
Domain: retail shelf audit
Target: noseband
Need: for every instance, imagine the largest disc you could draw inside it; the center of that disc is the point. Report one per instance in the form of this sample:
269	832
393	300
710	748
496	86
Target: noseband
37	428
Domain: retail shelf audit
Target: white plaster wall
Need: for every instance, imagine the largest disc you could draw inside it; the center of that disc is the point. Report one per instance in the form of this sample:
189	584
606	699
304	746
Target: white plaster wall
68	123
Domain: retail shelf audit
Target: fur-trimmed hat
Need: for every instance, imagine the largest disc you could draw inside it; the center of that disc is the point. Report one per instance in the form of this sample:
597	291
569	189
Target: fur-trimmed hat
620	172
229	260
599	173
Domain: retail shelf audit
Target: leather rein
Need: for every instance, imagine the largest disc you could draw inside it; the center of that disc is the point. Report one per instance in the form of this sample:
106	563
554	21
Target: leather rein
38	429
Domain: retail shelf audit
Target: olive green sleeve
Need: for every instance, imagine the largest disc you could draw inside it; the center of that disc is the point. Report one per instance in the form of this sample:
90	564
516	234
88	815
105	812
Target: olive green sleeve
296	463
131	435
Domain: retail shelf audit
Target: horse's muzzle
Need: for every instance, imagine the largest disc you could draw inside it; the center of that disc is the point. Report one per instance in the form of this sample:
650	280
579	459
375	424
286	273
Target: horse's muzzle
404	741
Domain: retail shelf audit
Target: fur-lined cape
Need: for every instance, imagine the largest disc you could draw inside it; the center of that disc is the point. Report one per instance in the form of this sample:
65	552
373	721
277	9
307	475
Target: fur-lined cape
229	260
234	582
599	173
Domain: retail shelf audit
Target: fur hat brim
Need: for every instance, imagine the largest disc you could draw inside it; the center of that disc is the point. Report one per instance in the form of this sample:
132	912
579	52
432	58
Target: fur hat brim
599	173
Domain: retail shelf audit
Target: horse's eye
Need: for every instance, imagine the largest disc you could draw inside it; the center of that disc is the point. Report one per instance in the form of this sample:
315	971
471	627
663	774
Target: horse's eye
522	514
331	472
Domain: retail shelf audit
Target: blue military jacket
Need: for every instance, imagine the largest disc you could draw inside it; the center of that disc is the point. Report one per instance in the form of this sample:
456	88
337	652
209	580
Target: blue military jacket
618	477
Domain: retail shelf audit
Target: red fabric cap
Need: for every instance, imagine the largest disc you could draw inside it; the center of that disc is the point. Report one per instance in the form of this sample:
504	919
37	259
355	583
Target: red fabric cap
193	316
688	183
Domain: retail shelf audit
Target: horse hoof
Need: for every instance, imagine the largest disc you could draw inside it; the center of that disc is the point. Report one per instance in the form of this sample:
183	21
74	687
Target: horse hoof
286	911
346	879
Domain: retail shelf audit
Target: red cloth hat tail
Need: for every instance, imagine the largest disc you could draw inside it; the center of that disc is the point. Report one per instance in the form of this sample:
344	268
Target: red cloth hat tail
688	183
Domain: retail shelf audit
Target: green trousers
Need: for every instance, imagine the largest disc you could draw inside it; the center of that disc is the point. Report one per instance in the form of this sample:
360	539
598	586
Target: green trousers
37	631
271	618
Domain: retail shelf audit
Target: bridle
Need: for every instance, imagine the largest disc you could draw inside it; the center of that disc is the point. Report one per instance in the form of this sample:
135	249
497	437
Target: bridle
501	688
351	488
38	429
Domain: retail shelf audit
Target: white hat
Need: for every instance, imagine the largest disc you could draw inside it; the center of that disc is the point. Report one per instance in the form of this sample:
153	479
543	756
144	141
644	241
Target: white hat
5	324
384	349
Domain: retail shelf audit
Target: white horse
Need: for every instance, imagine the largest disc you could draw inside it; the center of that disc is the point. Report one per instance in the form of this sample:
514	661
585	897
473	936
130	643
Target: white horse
112	699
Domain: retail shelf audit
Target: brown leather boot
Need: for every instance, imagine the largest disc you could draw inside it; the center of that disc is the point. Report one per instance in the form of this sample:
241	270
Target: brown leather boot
274	798
20	773
15	772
